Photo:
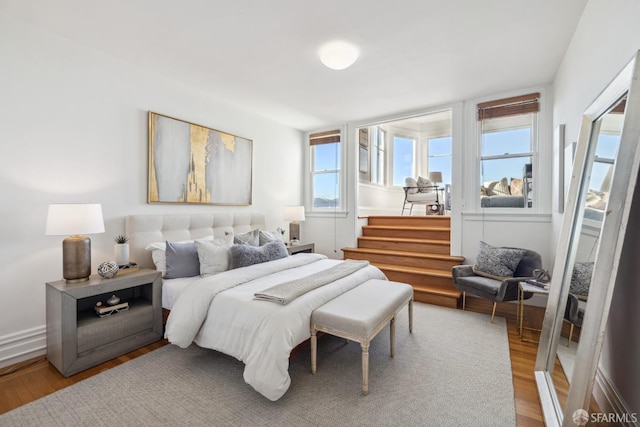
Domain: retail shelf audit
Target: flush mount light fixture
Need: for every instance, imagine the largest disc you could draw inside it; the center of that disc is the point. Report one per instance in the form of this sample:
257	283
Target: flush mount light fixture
338	55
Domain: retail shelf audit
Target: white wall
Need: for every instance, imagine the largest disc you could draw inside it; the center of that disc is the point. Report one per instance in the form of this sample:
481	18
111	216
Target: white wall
607	37
74	129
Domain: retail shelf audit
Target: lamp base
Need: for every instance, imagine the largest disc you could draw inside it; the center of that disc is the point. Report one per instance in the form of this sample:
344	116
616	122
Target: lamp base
294	231
76	258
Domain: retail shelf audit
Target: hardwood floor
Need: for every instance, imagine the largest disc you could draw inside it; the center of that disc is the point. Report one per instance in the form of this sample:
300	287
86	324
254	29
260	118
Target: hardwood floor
40	378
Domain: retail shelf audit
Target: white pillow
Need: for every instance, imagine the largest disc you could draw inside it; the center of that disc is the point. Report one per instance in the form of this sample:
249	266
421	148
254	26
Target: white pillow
269	236
251	238
214	255
158	252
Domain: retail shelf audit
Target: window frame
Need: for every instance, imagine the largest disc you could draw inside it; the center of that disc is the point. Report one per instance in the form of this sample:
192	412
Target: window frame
503	108
338	138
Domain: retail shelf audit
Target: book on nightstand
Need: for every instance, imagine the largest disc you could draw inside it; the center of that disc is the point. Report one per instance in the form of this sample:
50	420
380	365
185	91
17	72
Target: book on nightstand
104	309
128	268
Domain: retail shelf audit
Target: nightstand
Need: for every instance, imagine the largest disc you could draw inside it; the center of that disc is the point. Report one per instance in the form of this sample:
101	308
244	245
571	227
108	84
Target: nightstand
77	338
308	248
524	287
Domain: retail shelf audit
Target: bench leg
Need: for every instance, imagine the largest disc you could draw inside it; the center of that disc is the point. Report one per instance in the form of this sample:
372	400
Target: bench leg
314	350
365	367
411	316
392	334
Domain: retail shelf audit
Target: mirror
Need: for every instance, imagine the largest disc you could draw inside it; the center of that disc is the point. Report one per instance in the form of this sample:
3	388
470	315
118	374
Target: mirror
589	247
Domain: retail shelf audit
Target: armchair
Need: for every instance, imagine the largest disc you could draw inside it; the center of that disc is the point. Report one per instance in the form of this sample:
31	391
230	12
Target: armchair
496	289
419	193
574	313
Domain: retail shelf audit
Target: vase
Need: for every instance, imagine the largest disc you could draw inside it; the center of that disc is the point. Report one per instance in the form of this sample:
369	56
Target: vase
122	253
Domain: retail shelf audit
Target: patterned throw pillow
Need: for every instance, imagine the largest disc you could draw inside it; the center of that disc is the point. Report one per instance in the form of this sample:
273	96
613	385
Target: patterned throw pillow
498	188
497	263
424	185
581	279
516	187
251	238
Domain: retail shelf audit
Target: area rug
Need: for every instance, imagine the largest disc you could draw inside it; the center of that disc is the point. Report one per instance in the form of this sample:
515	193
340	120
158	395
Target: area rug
454	370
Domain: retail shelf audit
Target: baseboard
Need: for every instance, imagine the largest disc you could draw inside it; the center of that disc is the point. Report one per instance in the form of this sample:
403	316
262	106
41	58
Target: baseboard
23	345
610	401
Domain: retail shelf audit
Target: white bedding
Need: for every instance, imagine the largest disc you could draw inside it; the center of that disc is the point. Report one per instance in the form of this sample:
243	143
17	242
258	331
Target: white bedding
220	312
172	288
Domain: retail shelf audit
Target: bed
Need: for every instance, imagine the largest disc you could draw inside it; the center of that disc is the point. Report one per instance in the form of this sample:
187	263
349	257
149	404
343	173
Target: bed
220	311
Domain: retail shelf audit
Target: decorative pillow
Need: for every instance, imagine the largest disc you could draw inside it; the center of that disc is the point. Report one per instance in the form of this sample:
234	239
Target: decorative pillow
497	263
182	260
581	279
497	188
158	253
269	236
214	255
516	187
251	238
412	184
597	199
424	185
245	255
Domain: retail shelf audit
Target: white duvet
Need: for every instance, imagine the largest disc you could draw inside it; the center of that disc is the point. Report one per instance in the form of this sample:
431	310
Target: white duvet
219	312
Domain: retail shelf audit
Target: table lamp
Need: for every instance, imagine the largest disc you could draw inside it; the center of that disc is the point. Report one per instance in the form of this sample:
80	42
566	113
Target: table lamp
294	214
75	220
435	177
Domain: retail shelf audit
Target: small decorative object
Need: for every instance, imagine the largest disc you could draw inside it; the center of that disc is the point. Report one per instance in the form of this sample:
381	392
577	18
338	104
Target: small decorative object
113	300
108	269
280	230
121	249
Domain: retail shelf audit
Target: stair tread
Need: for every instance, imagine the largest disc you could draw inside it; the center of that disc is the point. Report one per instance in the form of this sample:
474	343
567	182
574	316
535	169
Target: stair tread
404	253
417	270
440	291
407	227
406	240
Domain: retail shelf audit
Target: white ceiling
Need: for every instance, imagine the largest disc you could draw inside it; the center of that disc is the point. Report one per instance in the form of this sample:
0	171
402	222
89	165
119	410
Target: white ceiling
262	54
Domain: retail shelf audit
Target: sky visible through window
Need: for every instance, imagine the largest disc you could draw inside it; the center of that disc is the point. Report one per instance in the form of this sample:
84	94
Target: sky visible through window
503	142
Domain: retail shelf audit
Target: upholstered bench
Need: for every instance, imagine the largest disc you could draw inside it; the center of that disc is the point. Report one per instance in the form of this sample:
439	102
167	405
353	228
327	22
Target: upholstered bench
359	314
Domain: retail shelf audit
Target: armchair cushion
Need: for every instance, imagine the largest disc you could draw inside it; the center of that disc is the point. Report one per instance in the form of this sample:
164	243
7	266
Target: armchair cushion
581	279
425	185
497	263
411	184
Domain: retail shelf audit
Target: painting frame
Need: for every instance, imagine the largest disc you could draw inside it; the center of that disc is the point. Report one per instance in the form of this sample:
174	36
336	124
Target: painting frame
194	164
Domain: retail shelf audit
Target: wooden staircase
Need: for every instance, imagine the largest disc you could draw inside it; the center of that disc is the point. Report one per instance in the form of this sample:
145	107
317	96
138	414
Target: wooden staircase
414	250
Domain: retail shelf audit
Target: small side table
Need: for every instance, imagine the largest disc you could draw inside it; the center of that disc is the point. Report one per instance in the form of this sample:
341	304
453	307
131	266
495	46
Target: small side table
522	288
308	248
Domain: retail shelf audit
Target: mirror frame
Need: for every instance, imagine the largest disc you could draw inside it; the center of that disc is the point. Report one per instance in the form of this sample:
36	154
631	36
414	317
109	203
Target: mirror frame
607	257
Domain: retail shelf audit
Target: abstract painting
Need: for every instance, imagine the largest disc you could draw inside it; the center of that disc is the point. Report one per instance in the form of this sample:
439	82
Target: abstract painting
194	164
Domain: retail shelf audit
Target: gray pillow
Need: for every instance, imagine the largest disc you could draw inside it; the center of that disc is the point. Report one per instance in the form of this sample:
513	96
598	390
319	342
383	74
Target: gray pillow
581	279
497	263
182	260
269	236
245	255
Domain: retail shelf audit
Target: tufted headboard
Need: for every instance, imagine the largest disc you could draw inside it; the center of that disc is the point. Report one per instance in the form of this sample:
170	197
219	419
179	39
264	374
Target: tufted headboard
143	230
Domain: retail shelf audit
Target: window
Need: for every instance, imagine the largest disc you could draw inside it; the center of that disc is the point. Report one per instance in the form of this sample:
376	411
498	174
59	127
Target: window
508	132
325	169
439	157
377	156
403	159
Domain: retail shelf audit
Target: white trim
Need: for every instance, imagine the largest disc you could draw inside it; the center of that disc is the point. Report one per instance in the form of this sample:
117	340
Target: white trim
513	215
609	398
23	345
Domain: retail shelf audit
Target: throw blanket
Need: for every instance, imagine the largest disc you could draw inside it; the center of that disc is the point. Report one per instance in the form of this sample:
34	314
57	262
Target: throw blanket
288	291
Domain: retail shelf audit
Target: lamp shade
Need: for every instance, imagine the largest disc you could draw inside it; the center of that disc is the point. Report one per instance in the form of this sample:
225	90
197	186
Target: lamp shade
67	219
294	213
435	177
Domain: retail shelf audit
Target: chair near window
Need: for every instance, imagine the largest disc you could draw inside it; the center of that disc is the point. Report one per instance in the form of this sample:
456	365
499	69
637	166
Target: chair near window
496	274
419	192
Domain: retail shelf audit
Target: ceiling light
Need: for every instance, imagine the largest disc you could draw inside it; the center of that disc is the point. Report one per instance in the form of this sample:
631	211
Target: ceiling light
338	55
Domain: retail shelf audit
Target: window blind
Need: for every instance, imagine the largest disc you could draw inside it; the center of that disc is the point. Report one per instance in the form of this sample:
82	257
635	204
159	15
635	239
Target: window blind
515	105
327	137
